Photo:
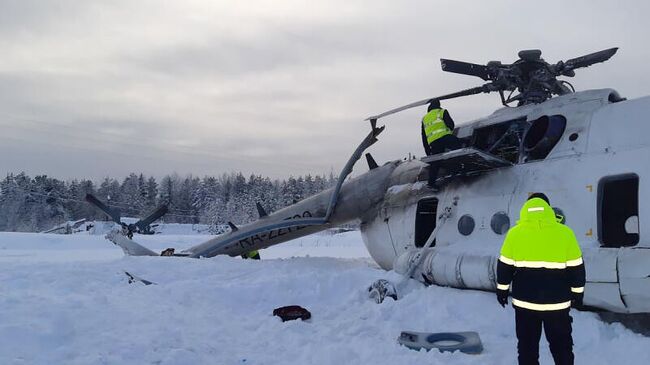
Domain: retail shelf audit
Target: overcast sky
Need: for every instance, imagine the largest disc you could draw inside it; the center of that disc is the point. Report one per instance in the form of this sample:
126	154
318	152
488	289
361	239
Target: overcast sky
97	88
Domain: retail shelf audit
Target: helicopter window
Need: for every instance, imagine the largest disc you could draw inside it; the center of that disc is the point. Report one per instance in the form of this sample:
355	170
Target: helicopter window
618	210
543	134
466	225
502	140
500	223
425	221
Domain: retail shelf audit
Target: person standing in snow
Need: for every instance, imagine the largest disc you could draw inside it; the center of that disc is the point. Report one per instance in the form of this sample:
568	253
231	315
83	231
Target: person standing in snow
542	260
437	137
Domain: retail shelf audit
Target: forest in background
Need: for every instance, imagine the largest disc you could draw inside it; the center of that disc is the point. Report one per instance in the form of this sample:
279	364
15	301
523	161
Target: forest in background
39	203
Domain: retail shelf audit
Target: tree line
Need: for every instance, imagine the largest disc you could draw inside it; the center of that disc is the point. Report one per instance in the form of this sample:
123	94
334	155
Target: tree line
35	204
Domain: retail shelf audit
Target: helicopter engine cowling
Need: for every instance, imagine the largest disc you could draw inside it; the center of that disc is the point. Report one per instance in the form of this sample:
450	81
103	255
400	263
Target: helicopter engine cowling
542	135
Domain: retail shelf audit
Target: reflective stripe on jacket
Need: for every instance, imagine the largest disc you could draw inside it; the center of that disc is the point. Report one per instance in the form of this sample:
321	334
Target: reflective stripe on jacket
542	259
434	125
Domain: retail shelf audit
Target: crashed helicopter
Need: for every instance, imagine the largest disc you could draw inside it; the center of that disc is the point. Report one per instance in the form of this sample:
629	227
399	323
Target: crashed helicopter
586	150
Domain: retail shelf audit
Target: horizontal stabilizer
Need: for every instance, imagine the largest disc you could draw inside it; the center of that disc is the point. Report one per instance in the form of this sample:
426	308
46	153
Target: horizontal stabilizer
130	247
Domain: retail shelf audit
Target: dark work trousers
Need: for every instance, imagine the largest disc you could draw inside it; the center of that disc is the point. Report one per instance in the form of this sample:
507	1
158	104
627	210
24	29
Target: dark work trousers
557	328
440	145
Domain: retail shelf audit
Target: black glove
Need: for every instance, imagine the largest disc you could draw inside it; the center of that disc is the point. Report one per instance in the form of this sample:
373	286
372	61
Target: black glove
502	297
576	300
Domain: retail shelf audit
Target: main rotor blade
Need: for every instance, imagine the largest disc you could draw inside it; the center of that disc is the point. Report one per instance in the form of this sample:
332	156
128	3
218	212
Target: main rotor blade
115	216
401	108
465	68
159	212
475	90
590	59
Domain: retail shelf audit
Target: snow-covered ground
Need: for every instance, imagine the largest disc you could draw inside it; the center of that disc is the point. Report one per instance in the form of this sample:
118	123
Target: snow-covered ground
65	300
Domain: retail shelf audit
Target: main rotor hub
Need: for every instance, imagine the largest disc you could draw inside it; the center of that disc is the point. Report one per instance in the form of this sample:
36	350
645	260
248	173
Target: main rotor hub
534	79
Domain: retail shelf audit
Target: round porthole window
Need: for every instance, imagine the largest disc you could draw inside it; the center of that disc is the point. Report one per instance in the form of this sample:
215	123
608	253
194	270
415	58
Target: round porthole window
500	223
466	225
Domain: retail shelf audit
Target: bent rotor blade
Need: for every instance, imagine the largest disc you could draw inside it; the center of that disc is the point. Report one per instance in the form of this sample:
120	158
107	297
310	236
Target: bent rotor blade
143	223
465	68
401	108
590	59
130	247
475	90
115	216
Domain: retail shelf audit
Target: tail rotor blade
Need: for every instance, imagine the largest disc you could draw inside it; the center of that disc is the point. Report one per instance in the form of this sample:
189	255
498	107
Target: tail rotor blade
465	68
115	216
159	212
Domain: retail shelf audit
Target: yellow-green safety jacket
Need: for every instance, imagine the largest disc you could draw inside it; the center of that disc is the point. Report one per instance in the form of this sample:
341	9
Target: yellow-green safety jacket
434	125
542	260
255	255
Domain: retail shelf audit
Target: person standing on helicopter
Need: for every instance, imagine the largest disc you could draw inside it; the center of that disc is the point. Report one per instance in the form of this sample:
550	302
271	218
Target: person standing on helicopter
437	137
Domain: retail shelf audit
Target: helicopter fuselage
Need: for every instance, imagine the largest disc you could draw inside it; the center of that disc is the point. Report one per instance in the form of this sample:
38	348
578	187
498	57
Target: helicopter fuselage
588	151
593	173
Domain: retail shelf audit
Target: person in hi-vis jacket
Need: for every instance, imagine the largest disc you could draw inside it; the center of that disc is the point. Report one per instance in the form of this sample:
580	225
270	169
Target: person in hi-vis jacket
542	263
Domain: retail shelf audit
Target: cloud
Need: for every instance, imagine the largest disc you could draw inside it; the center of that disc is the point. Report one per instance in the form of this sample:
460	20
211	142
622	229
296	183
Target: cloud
272	87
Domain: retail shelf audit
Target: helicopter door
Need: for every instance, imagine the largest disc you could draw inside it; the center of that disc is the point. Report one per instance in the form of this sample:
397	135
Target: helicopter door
618	210
425	220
